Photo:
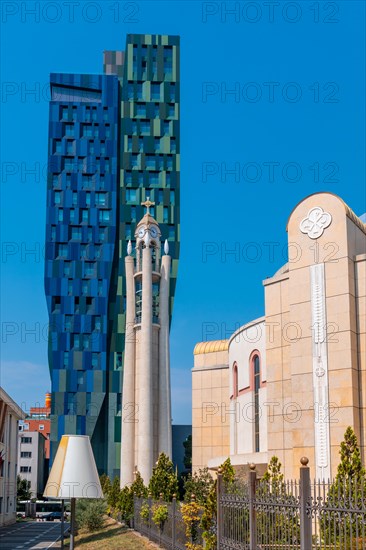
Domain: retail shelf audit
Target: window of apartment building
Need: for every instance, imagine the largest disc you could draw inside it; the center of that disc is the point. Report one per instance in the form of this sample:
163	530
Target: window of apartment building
25	454
87	131
134	161
104	216
131	195
24	439
62	251
100	287
154	178
25	469
69	147
145	127
76	233
165	215
25	426
64	113
55	180
69	130
57	197
155	91
100	199
172	91
41	427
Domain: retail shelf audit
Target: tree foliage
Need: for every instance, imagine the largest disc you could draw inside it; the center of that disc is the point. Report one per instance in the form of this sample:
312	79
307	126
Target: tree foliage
198	484
348	489
138	488
105	483
23	489
187	460
113	496
163	479
90	513
283	522
210	507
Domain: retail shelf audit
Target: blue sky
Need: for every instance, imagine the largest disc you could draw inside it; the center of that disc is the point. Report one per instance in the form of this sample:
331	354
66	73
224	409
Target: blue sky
294	125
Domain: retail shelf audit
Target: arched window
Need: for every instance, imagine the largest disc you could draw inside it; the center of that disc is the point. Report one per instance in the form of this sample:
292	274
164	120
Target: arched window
235	381
257	382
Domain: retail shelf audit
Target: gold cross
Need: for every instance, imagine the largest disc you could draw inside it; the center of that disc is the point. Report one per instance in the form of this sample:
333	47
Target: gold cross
148	204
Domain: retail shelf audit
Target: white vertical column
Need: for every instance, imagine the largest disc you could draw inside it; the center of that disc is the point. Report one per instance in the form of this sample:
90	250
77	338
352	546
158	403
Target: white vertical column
145	411
164	425
128	392
320	372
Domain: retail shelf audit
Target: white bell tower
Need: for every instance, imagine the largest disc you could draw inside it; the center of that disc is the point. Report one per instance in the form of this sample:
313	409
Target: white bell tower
146	404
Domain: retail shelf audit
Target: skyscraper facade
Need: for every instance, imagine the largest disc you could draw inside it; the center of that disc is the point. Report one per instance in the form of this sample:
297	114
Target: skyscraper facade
113	143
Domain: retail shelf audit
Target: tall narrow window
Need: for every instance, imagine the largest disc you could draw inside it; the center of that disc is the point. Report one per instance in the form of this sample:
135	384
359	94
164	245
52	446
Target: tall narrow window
257	382
235	381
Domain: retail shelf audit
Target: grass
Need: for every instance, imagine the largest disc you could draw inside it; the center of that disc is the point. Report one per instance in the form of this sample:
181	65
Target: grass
112	537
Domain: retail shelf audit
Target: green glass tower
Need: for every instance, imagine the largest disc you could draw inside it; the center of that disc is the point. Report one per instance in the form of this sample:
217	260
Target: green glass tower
122	149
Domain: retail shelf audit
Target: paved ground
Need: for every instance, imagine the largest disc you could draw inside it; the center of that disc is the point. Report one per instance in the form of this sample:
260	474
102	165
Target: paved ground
32	535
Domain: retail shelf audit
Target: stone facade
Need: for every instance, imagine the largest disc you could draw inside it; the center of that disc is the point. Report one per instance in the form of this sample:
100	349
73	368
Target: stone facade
312	381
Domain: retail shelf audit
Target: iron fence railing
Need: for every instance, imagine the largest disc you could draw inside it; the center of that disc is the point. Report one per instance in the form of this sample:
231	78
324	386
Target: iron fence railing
291	515
276	515
171	533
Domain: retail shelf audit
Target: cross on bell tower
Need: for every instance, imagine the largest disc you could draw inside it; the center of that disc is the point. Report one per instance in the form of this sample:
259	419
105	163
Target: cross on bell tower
148	204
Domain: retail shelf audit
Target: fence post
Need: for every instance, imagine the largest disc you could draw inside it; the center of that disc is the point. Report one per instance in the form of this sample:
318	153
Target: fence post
219	508
252	511
305	494
174	504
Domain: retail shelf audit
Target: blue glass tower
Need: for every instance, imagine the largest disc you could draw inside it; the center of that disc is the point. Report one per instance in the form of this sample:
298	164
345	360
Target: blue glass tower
113	142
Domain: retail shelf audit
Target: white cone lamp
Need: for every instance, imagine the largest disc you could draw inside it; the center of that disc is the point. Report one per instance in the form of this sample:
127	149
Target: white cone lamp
73	474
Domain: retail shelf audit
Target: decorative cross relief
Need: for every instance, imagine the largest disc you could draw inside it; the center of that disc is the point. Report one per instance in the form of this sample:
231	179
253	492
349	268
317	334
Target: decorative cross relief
320	372
316	221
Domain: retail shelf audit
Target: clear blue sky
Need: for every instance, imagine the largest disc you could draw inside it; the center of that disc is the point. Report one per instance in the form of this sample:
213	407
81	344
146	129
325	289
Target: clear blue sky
295	125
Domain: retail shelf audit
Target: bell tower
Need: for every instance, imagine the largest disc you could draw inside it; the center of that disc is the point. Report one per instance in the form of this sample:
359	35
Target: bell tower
146	412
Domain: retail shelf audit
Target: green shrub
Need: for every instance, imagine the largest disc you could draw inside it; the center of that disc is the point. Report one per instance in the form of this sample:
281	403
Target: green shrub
159	514
90	513
145	513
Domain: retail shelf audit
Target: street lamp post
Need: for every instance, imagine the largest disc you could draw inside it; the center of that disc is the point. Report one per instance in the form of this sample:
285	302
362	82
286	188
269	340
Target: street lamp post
73	475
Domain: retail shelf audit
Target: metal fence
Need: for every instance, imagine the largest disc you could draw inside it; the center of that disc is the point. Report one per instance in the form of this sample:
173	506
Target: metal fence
171	533
293	515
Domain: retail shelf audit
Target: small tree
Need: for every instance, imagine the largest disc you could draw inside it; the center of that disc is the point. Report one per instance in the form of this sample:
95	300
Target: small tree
23	489
187	460
163	479
138	488
210	507
283	523
113	496
105	483
90	513
348	487
198	484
